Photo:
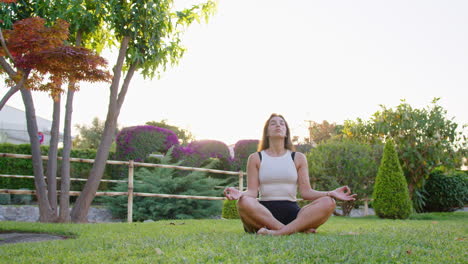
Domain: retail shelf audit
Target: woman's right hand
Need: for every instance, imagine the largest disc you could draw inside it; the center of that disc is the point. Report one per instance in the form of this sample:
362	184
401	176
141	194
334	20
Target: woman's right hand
232	193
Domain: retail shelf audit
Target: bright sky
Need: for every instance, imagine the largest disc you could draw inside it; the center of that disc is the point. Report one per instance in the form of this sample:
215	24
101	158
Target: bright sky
308	60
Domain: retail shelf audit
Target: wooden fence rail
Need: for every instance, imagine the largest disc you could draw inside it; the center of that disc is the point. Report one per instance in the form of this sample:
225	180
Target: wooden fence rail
131	165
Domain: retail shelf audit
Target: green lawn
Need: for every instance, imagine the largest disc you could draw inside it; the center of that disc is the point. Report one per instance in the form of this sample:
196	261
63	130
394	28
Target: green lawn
425	238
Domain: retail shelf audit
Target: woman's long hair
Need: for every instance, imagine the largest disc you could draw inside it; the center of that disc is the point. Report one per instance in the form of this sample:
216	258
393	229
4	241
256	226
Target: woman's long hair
265	142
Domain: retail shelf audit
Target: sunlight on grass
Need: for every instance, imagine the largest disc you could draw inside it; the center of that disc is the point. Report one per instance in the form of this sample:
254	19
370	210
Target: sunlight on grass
429	238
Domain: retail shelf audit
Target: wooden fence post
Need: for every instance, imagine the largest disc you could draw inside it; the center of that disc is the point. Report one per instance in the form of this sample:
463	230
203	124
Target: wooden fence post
130	192
366	207
241	181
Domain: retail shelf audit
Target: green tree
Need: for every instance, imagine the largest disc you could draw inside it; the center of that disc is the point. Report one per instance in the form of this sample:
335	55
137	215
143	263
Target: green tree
89	137
345	162
184	135
148	36
425	138
391	196
61	71
148	33
320	132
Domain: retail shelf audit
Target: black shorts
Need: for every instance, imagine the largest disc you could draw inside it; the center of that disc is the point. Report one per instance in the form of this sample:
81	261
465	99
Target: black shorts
284	211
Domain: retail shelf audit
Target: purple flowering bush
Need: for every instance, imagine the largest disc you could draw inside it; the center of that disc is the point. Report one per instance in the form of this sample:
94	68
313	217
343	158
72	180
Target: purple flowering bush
137	142
203	152
242	150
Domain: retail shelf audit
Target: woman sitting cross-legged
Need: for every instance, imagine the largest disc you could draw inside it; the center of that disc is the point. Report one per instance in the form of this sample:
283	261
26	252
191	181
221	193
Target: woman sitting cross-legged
274	174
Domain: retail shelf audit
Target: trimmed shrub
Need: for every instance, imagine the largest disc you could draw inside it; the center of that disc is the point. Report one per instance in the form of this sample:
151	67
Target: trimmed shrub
167	181
21	198
5	198
446	192
391	195
15	166
230	210
242	151
198	152
136	143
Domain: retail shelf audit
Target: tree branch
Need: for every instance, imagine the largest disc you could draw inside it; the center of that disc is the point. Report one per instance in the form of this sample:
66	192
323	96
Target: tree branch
2	41
9	70
126	83
13	90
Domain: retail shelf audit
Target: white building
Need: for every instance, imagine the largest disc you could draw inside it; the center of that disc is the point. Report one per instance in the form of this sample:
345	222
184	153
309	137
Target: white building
13	127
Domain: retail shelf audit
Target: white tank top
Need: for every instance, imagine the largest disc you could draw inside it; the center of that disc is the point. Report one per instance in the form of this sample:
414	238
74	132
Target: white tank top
278	178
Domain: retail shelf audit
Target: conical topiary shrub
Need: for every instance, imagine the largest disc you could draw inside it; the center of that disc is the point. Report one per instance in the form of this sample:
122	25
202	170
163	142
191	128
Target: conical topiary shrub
391	195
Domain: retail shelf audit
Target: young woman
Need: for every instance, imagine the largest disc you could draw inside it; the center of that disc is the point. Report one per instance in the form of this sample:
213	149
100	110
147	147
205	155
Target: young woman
274	174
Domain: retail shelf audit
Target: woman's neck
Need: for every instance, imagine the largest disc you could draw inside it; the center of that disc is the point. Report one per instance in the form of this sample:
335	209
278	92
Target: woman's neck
276	147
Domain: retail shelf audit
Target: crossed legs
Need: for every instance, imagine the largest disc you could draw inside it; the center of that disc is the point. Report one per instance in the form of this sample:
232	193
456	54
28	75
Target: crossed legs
257	218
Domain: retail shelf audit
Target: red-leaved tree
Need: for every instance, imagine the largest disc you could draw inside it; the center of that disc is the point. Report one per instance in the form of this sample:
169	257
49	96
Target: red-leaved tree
35	57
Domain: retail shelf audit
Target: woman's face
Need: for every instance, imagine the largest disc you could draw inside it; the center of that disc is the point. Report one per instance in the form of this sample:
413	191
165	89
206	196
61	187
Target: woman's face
277	127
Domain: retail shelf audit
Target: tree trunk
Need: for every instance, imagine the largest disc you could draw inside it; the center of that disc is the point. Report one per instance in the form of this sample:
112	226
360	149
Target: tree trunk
67	142
53	154
80	210
64	215
46	213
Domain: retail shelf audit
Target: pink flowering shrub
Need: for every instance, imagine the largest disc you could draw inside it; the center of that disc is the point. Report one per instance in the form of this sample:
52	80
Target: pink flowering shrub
242	150
198	153
137	142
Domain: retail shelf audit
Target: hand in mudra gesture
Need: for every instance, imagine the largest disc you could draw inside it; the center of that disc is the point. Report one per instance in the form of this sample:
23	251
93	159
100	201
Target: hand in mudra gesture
232	193
343	194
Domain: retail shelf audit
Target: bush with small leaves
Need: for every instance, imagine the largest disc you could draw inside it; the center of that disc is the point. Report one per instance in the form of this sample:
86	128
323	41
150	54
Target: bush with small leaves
446	192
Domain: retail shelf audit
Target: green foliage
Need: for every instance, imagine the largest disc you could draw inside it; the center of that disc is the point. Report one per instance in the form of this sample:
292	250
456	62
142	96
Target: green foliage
86	17
21	198
220	164
15	166
89	137
425	138
184	135
446	192
154	30
303	147
167	181
391	196
5	198
230	209
344	162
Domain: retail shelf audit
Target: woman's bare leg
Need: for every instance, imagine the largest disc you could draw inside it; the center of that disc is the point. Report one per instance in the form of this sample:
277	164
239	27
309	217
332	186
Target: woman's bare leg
255	216
310	217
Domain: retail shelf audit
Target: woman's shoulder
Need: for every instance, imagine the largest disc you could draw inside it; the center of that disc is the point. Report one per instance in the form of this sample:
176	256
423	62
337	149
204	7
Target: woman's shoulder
255	156
299	156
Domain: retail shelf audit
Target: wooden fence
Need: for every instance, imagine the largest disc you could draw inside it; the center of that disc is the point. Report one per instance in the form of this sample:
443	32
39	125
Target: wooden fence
131	165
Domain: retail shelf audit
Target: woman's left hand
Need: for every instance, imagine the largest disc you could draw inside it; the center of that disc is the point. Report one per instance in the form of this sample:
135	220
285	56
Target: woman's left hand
343	193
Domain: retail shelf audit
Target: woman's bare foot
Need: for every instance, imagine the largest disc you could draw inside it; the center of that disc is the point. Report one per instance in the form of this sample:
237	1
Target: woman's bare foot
310	231
265	231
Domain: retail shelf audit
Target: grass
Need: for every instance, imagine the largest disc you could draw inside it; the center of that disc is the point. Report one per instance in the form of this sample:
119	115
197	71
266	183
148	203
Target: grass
424	238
